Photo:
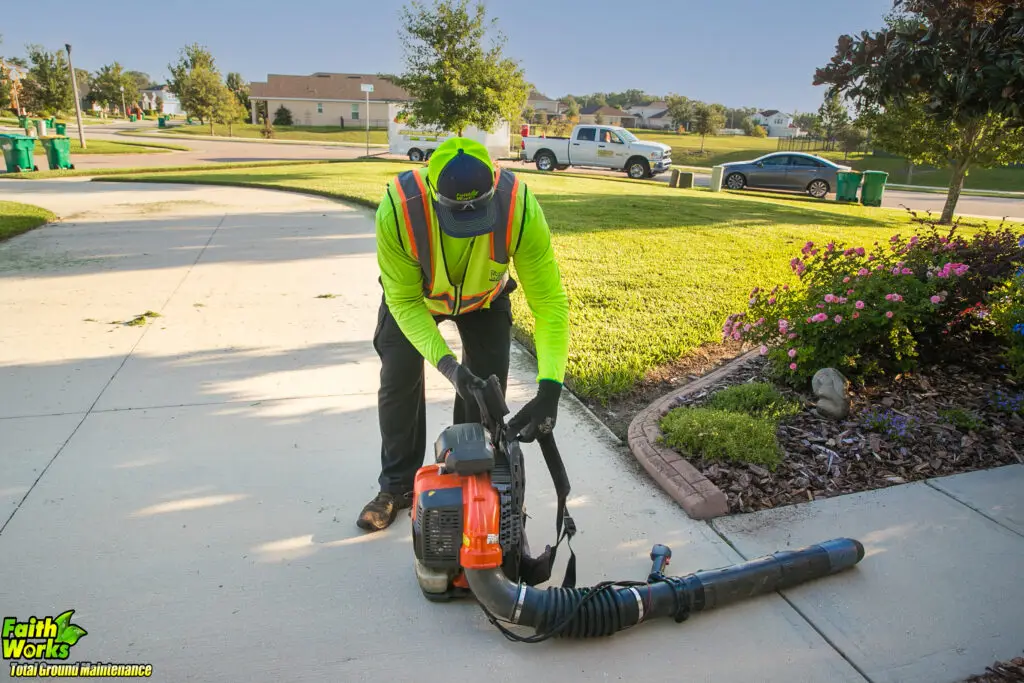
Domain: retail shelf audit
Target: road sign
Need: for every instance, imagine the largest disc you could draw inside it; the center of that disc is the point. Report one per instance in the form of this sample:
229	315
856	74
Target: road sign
366	87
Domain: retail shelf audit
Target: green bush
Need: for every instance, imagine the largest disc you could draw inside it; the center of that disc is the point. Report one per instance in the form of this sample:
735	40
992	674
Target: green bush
963	420
717	434
1008	315
758	399
283	116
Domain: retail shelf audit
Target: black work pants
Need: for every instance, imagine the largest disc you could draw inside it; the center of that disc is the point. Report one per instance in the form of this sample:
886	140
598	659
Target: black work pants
486	338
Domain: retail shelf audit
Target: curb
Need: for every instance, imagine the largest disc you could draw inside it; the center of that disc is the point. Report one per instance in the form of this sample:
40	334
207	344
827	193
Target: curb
697	495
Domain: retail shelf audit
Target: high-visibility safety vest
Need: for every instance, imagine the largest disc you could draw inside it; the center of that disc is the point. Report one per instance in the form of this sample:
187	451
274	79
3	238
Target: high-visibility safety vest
487	270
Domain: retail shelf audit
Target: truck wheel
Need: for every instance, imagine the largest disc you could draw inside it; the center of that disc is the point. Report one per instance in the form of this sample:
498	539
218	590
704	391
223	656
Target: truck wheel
415	154
638	168
546	161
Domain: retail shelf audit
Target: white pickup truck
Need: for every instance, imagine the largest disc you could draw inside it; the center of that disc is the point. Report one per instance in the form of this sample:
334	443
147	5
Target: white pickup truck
598	146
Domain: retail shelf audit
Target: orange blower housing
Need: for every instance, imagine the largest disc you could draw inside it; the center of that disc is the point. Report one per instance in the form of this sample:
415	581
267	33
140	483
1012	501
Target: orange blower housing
466	511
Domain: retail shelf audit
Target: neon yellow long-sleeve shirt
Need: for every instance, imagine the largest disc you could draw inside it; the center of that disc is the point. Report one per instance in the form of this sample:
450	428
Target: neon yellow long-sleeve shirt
535	268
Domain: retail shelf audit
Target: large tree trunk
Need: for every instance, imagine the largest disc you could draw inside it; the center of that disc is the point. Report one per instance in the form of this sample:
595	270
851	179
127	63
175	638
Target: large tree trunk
956	185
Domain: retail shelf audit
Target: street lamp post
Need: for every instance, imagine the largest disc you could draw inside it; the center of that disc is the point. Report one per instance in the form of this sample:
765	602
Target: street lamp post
78	103
124	109
367	88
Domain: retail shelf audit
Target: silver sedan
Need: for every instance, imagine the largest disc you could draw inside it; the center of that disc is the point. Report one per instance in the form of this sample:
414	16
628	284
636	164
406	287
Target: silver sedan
784	171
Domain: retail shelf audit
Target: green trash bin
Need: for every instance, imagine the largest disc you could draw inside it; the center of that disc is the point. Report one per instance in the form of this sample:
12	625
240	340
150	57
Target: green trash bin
161	122
58	151
874	188
62	128
52	122
23	122
848	182
132	118
18	152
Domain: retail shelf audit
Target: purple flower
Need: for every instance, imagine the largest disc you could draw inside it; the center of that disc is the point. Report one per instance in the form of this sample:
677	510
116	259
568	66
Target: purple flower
838	319
791	353
764	349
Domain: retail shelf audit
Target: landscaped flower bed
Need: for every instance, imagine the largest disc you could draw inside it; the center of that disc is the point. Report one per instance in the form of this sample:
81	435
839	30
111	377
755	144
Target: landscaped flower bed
928	331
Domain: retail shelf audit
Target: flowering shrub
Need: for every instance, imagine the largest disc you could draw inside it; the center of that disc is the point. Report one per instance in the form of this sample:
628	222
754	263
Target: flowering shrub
868	312
889	423
1008	316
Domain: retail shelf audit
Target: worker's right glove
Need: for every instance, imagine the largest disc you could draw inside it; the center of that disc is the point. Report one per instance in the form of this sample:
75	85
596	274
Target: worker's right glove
470	387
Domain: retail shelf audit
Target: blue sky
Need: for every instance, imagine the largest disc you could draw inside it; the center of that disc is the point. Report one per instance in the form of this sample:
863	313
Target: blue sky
759	53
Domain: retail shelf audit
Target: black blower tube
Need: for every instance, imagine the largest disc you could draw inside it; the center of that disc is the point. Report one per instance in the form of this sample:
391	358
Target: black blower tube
612	607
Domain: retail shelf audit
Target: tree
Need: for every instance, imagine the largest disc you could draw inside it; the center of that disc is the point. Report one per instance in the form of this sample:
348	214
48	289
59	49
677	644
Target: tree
142	80
810	122
707	120
952	65
598	118
528	114
748	126
47	86
194	66
283	116
228	109
680	110
572	110
851	137
237	85
107	84
455	81
833	116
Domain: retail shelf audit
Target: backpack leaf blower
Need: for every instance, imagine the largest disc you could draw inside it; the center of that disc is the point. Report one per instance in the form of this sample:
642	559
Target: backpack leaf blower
469	539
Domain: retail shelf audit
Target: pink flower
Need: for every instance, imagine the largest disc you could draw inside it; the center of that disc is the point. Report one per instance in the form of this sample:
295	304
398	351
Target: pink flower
862	272
888	297
830	298
846	279
746	328
760	321
842	299
785	288
856	315
791	353
888	314
896	271
736	336
771	300
870	258
838	319
936	299
792	366
821	305
859	304
849	291
792	335
810	320
764	349
807	248
894	239
831	246
860	251
783	325
820	317
907	271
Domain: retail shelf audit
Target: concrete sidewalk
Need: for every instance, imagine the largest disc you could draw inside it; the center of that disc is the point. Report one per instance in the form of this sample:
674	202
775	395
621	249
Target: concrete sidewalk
189	486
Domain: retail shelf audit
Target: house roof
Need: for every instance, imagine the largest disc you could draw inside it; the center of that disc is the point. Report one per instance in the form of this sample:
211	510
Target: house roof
769	112
326	86
659	115
604	111
538	97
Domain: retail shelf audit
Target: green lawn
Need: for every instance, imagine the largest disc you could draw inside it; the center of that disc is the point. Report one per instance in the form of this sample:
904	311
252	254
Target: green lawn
86	121
651	272
316	133
44	173
110	147
16	218
726	148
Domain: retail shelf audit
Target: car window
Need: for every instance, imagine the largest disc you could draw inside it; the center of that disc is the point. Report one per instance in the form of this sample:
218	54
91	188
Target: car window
805	161
779	160
587	134
610	136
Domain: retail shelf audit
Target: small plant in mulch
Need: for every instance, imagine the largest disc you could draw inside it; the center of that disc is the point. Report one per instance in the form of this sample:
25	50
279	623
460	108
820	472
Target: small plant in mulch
930	331
1011	671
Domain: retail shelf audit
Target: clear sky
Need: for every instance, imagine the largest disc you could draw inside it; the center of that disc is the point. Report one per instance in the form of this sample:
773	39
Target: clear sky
759	53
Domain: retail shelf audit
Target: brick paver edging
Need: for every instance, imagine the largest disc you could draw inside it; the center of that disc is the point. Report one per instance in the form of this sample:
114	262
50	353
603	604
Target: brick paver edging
700	498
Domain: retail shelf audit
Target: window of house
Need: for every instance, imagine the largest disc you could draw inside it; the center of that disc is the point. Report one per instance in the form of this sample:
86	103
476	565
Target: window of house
319	107
355	112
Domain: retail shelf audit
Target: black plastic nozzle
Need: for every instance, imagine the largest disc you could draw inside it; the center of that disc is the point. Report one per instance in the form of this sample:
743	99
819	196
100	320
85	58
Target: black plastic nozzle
660	556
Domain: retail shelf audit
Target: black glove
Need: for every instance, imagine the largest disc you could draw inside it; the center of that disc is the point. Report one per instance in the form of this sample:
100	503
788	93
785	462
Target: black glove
537	417
470	387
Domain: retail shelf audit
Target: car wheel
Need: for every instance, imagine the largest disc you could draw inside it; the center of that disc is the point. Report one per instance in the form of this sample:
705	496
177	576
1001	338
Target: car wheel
735	181
818	189
545	161
415	155
638	169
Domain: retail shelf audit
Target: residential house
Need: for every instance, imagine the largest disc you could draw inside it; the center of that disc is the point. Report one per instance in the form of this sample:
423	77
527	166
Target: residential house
541	102
611	116
653	115
328	99
170	101
778	124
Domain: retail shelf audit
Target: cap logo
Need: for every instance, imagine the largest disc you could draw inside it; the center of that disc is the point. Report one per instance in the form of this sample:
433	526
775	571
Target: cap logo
466	196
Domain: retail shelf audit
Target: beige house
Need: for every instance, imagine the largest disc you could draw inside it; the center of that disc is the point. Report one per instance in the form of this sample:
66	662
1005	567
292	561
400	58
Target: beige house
610	116
327	99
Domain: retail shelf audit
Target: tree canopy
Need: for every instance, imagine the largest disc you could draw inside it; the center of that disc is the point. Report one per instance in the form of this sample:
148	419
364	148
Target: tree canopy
455	80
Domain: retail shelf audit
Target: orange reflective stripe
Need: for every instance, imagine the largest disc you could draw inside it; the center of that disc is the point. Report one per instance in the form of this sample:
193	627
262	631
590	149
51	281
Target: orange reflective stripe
511	215
501	237
416	210
403	200
430	227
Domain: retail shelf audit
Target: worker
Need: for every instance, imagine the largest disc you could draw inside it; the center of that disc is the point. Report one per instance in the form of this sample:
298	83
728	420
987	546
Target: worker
446	235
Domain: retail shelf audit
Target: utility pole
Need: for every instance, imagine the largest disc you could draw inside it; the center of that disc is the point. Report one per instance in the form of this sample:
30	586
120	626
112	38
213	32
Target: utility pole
367	88
78	103
124	109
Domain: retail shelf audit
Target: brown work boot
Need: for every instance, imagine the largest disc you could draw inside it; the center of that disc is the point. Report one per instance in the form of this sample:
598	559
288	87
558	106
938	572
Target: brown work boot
381	512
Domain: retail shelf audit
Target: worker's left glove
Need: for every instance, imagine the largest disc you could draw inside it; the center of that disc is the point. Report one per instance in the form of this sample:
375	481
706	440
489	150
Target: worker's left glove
537	417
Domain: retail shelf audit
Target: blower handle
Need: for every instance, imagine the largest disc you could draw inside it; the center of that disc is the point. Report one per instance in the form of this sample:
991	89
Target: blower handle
493	409
660	556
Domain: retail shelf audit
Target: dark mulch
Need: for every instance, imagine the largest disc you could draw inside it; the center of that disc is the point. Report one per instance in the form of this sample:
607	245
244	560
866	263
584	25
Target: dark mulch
825	457
1001	672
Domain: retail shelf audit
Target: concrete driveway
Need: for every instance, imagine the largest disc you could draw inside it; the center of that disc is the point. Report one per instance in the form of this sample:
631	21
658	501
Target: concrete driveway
189	485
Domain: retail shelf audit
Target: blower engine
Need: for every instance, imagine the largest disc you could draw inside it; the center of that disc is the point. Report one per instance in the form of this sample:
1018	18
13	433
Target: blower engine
469	539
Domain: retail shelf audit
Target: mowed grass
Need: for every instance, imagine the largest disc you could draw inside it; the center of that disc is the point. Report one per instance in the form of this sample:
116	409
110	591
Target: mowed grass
651	272
16	218
314	133
723	149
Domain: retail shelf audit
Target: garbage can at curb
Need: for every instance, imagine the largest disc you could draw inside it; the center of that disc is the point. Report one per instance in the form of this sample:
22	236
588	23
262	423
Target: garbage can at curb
62	128
18	152
716	178
874	188
684	180
58	152
41	128
848	182
161	122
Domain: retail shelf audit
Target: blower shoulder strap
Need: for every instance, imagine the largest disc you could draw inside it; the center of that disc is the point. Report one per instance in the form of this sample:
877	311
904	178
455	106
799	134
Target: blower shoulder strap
565	526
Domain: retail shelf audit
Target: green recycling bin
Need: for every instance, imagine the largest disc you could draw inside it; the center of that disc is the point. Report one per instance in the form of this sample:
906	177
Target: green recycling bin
161	122
874	188
23	122
132	118
18	152
52	122
62	128
848	182
58	151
